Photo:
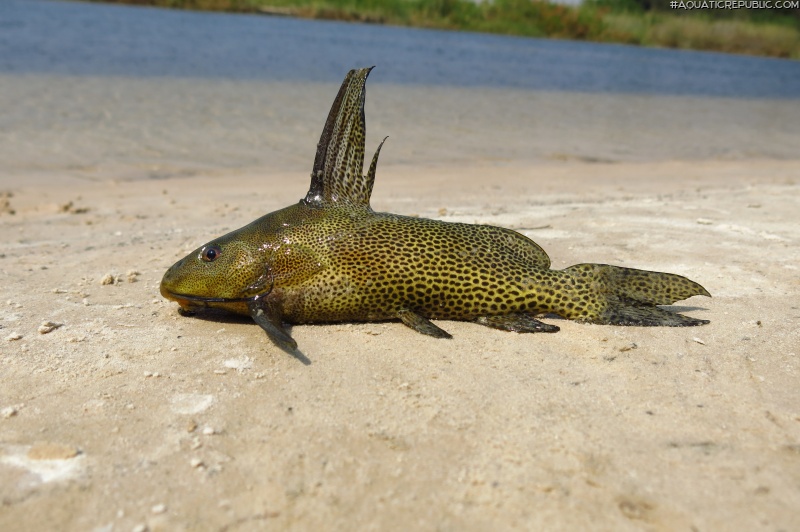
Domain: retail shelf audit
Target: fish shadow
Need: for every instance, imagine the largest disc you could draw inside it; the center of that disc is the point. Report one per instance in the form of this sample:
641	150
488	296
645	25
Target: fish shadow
676	308
216	315
296	353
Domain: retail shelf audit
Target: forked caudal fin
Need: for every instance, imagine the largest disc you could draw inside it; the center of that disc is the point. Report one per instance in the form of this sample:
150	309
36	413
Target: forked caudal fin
337	174
625	296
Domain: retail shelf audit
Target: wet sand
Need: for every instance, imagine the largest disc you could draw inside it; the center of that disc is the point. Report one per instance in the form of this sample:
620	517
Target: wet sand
127	415
131	128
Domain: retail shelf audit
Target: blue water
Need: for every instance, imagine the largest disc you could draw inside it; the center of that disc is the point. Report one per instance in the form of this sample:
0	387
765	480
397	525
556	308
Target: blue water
55	37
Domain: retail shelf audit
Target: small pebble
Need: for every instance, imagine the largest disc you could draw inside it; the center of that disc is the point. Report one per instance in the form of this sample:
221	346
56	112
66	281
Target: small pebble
9	411
628	347
209	431
191	426
132	275
107	279
195	462
159	509
49	326
13	336
698	340
139	528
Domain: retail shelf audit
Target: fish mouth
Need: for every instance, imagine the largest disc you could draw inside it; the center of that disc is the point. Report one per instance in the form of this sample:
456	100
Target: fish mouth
201	300
191	303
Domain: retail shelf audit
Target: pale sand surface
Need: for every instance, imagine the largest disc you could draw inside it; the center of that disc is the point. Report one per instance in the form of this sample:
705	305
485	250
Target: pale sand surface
129	414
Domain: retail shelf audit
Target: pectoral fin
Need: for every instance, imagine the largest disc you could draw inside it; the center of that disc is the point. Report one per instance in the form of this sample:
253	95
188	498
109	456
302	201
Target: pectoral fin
421	325
521	323
269	319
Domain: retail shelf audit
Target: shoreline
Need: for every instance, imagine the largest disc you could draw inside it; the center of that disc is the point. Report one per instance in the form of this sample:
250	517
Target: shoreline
95	128
603	22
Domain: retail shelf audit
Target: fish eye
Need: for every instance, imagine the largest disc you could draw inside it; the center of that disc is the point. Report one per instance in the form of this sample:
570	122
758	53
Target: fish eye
211	253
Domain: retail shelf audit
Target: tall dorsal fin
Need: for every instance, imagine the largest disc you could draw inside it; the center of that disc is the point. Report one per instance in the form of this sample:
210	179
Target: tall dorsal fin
337	176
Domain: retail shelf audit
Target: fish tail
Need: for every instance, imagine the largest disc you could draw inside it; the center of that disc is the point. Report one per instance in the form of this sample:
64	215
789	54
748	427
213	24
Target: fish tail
599	293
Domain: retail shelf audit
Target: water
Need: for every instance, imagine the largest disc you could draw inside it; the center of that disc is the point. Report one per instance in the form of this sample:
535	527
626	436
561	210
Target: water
79	39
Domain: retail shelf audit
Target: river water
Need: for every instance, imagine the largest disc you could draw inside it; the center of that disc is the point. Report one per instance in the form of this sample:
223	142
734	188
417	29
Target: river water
91	88
112	40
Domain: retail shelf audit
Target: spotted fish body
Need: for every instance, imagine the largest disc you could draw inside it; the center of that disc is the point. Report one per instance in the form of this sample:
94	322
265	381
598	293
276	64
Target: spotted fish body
331	258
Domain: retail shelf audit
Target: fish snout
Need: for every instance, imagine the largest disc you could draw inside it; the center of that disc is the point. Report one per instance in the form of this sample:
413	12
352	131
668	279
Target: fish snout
170	280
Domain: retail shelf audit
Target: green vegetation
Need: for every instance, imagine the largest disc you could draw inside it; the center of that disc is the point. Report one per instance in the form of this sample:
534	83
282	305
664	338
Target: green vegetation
645	22
771	32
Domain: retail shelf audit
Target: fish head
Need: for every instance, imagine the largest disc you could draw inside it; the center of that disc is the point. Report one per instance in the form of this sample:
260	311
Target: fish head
224	273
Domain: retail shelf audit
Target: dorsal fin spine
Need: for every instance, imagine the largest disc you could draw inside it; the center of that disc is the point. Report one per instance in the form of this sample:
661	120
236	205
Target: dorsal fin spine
373	166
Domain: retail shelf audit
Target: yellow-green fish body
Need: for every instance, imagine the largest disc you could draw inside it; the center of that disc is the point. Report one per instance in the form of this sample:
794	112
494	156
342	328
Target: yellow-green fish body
330	258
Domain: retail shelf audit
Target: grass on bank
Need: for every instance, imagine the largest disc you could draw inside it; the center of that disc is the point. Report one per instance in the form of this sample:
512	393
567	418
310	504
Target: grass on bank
621	21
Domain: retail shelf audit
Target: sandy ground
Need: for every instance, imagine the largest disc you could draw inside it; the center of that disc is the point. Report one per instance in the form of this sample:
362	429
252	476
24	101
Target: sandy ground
123	415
